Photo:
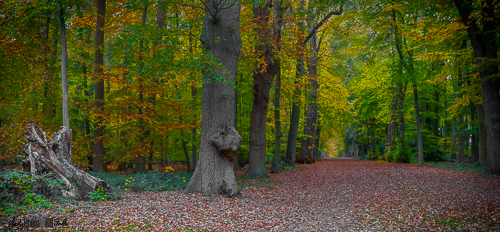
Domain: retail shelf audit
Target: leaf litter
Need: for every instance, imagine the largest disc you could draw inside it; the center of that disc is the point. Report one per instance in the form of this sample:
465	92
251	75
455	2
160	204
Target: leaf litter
334	194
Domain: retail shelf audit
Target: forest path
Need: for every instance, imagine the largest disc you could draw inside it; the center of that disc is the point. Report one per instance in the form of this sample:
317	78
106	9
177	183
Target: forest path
334	194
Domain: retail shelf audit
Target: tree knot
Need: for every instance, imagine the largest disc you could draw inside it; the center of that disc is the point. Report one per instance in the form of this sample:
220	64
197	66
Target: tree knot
227	141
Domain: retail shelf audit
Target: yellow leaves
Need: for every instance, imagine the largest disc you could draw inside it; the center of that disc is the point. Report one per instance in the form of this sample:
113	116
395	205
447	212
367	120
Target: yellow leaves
86	21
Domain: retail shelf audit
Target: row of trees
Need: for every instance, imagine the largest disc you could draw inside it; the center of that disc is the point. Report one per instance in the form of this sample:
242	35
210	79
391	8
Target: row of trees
425	80
132	74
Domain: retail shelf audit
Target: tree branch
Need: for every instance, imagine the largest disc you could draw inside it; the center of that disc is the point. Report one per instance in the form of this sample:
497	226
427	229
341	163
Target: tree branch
328	16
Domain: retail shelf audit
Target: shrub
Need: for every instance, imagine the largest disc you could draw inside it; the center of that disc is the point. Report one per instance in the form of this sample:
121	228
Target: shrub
100	195
284	166
19	191
401	154
374	154
389	155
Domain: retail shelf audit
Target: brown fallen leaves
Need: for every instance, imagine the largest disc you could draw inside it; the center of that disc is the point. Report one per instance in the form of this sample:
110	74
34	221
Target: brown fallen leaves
334	194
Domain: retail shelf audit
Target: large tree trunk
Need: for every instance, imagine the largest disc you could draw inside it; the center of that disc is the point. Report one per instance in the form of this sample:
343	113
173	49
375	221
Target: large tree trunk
484	44
262	81
54	157
220	36
99	151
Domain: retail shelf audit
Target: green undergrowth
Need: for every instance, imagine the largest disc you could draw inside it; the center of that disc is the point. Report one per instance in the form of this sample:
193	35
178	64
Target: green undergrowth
22	193
463	167
141	182
284	166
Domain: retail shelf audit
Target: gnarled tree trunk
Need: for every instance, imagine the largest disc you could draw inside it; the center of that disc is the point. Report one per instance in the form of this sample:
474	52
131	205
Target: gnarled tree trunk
220	36
54	157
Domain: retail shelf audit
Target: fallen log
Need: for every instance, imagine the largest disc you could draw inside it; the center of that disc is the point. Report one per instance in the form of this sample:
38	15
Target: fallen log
54	157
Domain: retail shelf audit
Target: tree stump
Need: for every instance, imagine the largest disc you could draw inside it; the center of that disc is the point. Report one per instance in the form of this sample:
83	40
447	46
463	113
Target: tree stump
54	157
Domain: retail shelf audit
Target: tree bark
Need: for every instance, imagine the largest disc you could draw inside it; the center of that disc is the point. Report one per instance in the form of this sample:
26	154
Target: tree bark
64	70
220	36
99	151
277	123
484	44
278	21
312	106
54	157
265	70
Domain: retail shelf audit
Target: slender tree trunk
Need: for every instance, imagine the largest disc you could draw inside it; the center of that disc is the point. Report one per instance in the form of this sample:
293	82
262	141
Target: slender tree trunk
193	146
482	134
220	36
401	95
454	122
278	20
316	142
294	117
461	140
64	69
453	138
419	130
312	107
99	151
474	138
185	148
277	124
391	127
445	127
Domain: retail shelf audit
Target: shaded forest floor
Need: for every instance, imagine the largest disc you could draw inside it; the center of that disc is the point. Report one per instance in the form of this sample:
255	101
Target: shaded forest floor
334	194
